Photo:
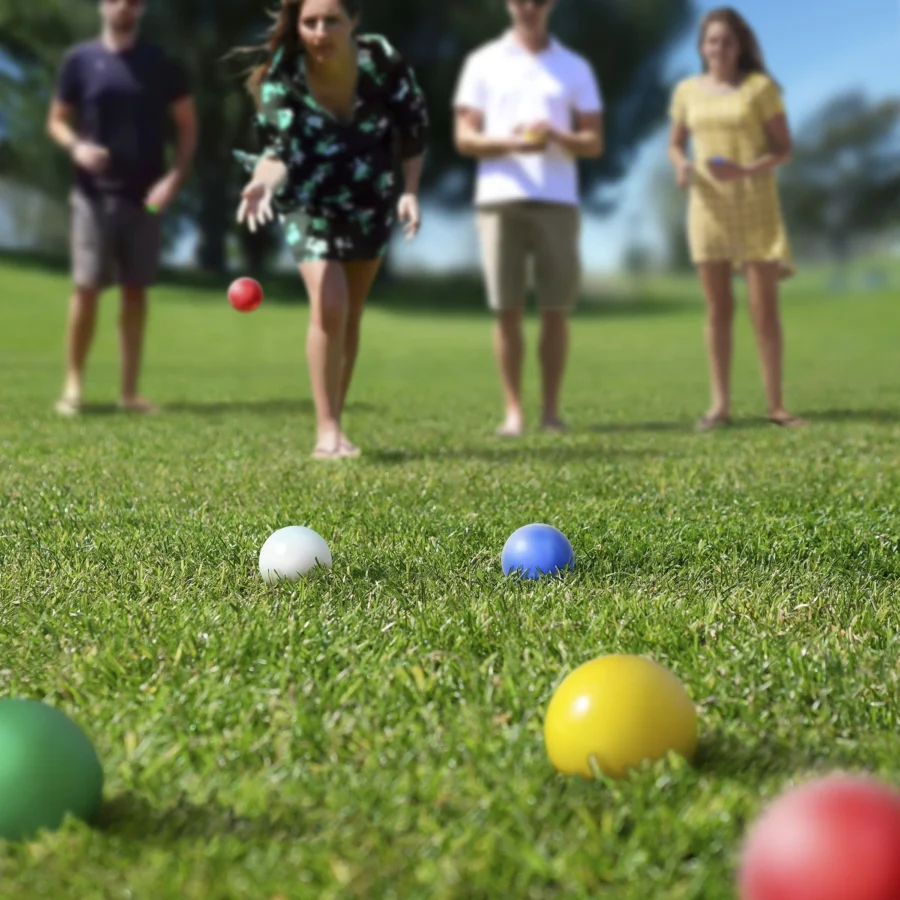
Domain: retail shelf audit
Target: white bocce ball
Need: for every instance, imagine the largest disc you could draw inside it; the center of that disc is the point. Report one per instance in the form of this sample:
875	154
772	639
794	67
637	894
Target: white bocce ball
292	552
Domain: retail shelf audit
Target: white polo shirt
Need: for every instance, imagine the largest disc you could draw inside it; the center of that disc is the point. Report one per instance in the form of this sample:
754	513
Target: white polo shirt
511	86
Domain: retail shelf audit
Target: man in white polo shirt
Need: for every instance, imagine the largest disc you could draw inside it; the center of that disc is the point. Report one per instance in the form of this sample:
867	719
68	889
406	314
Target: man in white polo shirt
526	108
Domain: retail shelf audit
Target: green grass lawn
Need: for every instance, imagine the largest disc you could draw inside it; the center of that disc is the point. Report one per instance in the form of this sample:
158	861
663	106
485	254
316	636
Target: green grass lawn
375	732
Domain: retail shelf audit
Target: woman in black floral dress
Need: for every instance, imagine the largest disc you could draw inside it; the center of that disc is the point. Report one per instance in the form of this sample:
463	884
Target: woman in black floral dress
342	124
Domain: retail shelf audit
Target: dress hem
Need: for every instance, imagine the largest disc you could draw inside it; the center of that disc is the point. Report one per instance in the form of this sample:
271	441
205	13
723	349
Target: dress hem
786	269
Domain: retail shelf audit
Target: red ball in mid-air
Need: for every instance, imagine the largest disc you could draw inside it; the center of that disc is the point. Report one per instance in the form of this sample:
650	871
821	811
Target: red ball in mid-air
245	294
836	838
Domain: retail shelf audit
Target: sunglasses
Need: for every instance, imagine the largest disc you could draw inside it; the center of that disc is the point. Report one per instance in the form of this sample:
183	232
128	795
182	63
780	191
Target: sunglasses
537	3
134	4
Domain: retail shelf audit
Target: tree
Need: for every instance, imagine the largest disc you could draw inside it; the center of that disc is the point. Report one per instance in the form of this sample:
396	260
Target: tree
626	42
844	179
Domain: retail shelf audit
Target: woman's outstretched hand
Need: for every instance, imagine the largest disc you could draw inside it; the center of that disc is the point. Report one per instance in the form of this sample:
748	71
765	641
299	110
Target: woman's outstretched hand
256	198
256	205
408	214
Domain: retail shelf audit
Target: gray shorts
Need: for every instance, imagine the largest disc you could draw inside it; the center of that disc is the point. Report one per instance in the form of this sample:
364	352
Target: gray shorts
512	234
113	241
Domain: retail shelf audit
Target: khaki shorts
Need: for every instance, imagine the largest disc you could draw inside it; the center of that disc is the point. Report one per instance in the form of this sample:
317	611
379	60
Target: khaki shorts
549	234
113	241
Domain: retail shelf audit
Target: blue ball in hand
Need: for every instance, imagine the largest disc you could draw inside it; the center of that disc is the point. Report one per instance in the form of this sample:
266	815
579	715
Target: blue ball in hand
536	550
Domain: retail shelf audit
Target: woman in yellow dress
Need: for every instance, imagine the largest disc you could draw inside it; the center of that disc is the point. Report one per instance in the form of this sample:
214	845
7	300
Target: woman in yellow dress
733	115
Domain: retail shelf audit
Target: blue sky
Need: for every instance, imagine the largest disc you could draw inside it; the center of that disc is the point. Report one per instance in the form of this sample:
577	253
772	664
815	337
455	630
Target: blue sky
815	48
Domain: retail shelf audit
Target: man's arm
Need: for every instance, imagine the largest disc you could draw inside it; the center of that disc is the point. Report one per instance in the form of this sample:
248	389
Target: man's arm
64	105
586	137
59	125
184	112
471	142
163	192
87	155
180	102
469	103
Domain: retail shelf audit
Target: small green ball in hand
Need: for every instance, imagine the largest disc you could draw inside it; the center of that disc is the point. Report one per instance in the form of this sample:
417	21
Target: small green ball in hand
48	768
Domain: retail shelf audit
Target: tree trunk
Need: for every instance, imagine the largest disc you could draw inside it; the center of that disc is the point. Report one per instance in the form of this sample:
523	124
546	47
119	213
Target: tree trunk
212	223
258	249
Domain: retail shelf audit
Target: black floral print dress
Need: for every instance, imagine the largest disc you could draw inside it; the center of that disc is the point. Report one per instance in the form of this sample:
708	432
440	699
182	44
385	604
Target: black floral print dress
339	201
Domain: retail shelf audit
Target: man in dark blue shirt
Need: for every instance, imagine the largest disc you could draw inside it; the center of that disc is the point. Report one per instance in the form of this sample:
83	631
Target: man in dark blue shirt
114	97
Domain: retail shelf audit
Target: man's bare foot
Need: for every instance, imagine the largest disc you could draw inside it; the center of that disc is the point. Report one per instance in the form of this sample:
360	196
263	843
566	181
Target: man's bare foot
512	426
69	405
346	449
553	424
137	405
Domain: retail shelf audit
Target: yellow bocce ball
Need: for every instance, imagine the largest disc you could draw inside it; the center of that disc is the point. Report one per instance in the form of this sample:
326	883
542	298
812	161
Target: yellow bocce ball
621	710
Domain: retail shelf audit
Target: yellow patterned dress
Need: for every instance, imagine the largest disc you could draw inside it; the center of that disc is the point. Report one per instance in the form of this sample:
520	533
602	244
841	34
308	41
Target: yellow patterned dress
734	221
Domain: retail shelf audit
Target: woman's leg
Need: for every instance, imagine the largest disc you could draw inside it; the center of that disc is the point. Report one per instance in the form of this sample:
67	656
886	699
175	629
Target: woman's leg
360	277
326	285
716	277
762	286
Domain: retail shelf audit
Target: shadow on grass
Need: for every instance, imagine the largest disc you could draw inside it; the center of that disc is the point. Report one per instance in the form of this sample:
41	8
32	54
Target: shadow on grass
683	426
508	451
759	755
877	416
227	407
628	427
132	816
261	407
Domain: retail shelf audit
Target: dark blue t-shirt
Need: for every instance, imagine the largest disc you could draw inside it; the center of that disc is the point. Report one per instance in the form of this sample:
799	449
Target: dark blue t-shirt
122	102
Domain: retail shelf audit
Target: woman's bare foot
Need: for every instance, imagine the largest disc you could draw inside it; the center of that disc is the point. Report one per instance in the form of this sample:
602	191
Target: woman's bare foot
714	419
512	426
346	449
783	419
327	449
137	405
69	404
328	444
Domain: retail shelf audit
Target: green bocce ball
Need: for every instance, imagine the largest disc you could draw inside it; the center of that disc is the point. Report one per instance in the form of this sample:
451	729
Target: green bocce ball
48	768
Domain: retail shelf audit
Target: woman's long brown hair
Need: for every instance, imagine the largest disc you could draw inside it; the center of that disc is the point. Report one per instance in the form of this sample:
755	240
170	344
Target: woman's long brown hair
284	35
750	56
